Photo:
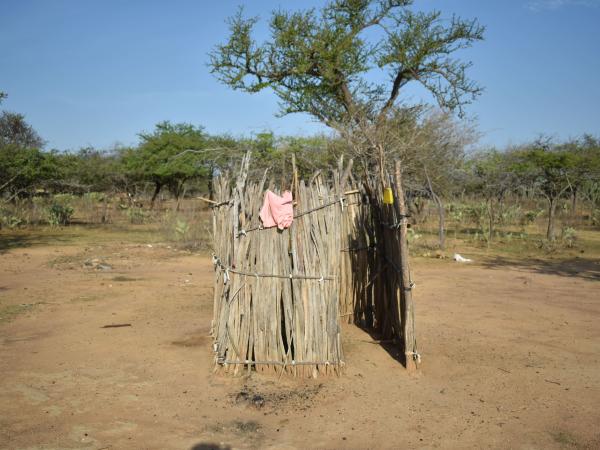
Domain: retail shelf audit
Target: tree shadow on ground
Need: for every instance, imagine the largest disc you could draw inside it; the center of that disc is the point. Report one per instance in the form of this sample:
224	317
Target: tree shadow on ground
23	240
588	269
210	446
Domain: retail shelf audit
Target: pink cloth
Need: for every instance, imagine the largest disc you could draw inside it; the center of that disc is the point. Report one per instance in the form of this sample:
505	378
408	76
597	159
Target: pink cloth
277	211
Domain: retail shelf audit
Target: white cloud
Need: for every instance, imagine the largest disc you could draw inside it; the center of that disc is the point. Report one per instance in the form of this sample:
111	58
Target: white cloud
550	5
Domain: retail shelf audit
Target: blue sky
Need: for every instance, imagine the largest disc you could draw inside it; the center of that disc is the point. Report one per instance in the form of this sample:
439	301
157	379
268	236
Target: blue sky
98	72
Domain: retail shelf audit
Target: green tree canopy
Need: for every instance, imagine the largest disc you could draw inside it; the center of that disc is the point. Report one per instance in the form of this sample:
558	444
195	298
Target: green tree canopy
22	163
169	156
548	169
88	170
319	62
14	130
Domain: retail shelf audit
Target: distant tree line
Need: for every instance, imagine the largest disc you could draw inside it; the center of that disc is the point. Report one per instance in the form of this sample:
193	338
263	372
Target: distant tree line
182	158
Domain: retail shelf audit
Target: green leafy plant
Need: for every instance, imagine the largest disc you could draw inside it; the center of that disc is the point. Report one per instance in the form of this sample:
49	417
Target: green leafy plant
181	228
137	215
530	217
413	235
595	218
510	215
59	214
95	196
568	236
9	220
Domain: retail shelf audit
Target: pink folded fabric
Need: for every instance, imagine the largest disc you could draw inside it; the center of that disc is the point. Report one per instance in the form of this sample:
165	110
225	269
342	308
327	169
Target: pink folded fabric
277	211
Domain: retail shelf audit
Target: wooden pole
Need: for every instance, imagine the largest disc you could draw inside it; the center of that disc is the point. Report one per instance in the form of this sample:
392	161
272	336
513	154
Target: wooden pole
410	345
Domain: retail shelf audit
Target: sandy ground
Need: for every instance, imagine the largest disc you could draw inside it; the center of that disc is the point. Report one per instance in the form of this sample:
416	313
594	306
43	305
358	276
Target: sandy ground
511	359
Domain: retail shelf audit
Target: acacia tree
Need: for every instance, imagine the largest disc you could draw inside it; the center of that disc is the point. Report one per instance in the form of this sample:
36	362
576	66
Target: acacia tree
88	170
319	62
14	130
22	163
169	156
546	169
585	167
492	177
589	173
322	62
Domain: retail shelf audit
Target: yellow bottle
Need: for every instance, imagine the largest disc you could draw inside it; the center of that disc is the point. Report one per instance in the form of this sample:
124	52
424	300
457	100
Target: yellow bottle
388	196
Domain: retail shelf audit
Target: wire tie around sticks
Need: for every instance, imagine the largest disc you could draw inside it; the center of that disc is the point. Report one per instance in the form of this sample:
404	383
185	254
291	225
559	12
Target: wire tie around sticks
321	279
226	277
415	355
342	203
396	225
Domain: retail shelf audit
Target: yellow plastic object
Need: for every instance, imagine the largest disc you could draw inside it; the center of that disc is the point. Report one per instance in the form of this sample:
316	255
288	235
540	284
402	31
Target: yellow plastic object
388	196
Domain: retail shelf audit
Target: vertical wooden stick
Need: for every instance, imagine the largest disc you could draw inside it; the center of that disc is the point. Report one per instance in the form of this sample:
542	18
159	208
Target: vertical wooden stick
410	345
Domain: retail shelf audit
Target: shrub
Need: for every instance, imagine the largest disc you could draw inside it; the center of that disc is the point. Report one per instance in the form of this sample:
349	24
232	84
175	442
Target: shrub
95	197
595	218
59	214
9	220
182	228
477	214
568	236
530	217
137	215
190	231
510	215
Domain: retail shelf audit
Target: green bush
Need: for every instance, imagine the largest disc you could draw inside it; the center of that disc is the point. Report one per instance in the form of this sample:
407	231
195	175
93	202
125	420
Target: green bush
137	215
189	231
59	214
96	197
568	236
510	215
456	211
181	229
9	220
477	214
595	218
530	217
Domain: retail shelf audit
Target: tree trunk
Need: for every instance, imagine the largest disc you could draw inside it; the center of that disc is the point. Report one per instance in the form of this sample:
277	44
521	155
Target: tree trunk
157	188
104	218
550	234
441	213
441	221
410	343
490	208
180	194
211	187
573	203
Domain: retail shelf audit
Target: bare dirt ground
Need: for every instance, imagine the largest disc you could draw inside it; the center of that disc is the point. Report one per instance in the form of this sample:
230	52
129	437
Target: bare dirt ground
511	359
